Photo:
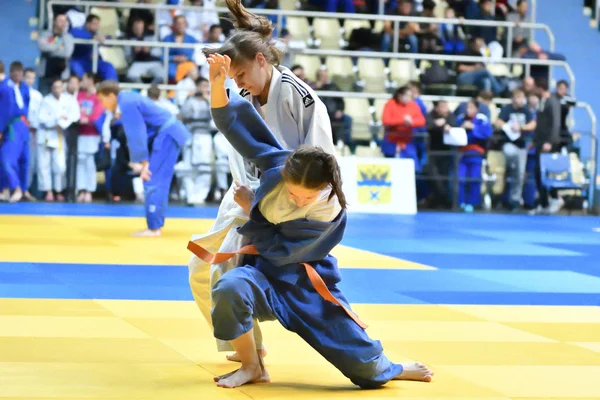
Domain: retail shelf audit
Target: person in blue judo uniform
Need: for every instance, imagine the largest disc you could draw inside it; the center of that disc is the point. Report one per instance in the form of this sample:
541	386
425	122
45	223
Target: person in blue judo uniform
14	153
154	138
479	130
297	216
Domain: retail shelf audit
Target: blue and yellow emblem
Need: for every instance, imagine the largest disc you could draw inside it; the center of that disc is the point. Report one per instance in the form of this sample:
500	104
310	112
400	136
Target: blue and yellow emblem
374	183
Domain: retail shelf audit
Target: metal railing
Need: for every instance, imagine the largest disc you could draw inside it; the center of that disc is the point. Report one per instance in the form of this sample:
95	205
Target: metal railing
343	53
593	170
46	11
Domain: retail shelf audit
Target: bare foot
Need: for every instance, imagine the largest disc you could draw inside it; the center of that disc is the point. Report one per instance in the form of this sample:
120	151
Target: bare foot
60	197
246	374
16	196
4	195
49	196
414	371
147	233
236	358
29	197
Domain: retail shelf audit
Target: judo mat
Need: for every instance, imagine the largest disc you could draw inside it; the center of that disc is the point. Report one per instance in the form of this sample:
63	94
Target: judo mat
499	306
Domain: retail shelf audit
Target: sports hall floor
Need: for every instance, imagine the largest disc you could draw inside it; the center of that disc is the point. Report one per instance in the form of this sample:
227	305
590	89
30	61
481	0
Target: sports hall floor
500	307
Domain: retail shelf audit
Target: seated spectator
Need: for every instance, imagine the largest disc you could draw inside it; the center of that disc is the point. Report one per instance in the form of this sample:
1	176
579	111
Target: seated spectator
341	123
452	35
298	70
408	41
81	61
201	21
518	120
535	52
165	18
479	130
439	121
205	145
463	8
57	113
429	35
89	138
56	48
503	8
484	101
521	36
488	33
144	14
215	34
401	115
475	73
144	61
179	57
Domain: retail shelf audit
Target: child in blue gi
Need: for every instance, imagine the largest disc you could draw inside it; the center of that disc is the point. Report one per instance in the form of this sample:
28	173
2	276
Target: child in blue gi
155	138
296	216
479	130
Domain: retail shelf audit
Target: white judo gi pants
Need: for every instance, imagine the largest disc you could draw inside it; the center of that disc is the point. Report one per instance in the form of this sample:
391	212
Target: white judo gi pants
52	165
222	237
87	146
198	157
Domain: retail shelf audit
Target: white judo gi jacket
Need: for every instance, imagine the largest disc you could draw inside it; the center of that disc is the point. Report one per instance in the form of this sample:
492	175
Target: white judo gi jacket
296	116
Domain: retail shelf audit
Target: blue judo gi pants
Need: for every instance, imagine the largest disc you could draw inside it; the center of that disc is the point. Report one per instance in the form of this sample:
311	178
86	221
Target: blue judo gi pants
163	158
245	293
469	167
14	156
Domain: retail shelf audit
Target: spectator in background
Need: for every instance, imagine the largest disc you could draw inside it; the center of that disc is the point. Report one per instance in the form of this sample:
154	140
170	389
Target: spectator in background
215	34
56	48
206	143
535	52
201	21
515	120
81	61
14	106
566	102
419	134
35	101
521	36
89	138
154	94
73	84
401	115
2	73
298	70
179	57
439	121
186	87
57	113
452	35
479	130
144	61
429	35
484	102
529	86
463	8
144	14
72	139
530	187
475	73
409	42
341	123
547	140
488	33
166	18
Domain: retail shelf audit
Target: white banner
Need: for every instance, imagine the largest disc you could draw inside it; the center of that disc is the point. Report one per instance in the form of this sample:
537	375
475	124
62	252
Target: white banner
379	185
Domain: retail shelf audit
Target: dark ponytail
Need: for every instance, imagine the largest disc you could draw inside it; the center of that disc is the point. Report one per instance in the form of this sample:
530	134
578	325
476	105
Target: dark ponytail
253	35
313	168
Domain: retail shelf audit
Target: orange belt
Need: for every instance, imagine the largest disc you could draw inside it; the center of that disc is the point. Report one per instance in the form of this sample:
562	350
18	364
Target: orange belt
313	275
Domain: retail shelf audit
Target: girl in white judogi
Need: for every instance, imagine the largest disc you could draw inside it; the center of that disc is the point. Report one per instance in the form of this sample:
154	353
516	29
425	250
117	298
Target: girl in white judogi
57	112
294	114
205	145
35	101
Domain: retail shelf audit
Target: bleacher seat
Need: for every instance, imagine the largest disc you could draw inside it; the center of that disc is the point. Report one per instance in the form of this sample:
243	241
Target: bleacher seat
298	27
371	71
556	172
311	65
109	21
328	30
402	71
496	162
115	56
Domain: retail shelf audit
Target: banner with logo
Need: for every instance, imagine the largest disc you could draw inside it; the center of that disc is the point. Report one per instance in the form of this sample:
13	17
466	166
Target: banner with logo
379	185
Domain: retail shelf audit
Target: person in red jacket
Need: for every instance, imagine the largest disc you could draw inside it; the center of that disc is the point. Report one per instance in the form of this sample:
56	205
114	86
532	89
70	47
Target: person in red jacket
89	138
401	114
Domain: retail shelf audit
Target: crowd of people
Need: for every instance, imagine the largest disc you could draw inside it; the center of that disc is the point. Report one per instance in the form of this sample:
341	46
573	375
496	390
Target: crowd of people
68	136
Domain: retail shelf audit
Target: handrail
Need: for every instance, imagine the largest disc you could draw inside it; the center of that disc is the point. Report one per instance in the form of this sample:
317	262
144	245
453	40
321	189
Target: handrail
348	53
428	98
317	14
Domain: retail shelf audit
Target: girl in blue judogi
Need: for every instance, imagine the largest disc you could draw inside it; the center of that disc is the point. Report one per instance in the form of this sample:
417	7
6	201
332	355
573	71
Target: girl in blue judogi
296	217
